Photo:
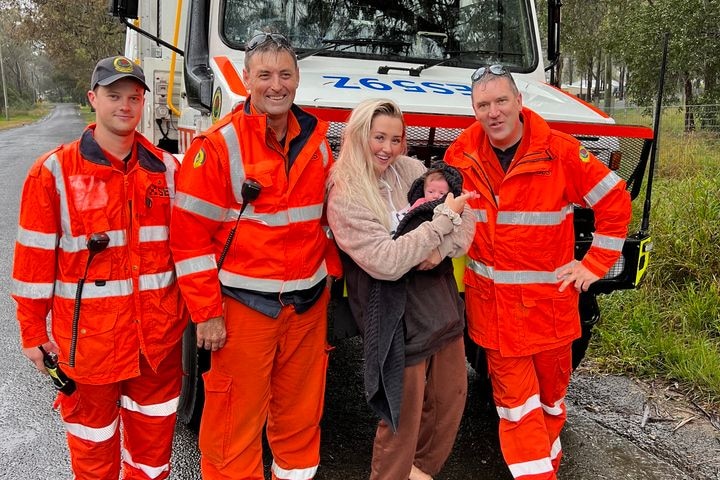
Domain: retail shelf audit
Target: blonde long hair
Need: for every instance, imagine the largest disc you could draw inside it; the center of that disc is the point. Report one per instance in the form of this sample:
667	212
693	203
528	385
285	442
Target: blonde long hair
353	174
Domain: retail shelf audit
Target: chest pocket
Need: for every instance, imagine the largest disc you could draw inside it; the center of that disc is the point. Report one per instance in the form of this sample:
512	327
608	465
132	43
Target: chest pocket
265	173
152	200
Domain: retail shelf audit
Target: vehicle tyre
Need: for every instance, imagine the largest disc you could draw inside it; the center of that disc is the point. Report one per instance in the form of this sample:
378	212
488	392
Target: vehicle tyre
589	316
192	395
475	356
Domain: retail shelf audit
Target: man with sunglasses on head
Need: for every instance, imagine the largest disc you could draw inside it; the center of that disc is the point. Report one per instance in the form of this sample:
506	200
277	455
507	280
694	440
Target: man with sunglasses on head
259	297
522	282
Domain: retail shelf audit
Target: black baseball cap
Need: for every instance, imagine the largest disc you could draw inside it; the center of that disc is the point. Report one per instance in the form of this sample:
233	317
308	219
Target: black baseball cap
112	69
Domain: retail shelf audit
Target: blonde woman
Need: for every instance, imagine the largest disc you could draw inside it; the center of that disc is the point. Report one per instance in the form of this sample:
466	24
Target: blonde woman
402	294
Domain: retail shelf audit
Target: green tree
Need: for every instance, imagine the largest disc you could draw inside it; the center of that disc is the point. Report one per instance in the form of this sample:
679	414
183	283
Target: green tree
19	59
73	35
693	68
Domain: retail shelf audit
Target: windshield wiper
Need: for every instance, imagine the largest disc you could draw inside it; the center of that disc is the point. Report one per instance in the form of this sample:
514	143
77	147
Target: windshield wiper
353	42
452	55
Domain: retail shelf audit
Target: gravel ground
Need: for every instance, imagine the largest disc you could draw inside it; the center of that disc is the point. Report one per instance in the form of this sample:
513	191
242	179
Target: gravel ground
654	416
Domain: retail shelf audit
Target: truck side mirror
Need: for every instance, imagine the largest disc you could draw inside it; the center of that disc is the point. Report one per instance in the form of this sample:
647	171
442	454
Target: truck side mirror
124	8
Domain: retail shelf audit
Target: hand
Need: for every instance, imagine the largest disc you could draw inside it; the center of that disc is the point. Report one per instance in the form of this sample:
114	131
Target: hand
578	274
432	261
211	334
36	357
457	204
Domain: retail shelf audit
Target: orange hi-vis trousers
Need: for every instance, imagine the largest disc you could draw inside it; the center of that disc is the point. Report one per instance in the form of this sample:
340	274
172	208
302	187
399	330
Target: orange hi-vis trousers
145	405
271	370
529	395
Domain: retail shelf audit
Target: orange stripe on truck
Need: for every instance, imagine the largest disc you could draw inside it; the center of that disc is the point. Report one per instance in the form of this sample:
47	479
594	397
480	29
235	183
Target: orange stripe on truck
227	69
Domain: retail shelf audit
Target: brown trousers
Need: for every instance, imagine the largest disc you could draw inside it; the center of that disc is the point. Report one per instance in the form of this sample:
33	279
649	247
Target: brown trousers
434	393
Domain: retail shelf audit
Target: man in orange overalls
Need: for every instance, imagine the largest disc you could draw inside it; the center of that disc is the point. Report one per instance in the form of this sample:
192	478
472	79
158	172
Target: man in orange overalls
521	281
259	297
123	349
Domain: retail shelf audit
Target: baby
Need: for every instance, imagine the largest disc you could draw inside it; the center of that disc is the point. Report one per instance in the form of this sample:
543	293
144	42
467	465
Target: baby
435	186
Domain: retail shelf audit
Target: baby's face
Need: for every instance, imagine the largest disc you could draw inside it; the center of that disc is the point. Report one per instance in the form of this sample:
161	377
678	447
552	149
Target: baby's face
435	189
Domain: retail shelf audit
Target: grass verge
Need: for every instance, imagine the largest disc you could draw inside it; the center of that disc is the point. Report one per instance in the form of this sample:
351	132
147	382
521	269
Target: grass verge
670	326
19	118
87	114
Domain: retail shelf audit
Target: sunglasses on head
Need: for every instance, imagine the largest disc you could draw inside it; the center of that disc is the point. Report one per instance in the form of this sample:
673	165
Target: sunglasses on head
262	38
485	70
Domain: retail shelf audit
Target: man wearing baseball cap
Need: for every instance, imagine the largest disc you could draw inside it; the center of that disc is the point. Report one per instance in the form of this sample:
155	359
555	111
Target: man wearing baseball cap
111	69
122	348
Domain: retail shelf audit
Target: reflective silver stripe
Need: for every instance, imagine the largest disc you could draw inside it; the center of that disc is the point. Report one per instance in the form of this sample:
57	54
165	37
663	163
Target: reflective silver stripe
533	467
155	233
481	215
514	414
556	409
170	167
534	218
72	244
268	285
328	232
555	449
282	218
295	473
200	207
53	165
111	288
607	242
518	277
325	154
33	239
306	213
602	188
150	472
91	434
33	291
164	409
195	264
235	161
479	268
156	281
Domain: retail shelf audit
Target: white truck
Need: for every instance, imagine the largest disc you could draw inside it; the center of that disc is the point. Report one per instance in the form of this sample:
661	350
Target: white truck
419	53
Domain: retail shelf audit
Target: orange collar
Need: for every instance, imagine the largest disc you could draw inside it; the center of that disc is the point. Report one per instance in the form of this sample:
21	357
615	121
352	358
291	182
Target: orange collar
293	130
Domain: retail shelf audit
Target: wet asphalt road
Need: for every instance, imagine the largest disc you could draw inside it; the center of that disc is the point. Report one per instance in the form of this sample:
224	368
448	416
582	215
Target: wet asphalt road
32	444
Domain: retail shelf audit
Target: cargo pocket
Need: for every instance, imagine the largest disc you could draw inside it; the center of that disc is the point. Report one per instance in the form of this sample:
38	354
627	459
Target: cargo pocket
567	317
96	337
67	405
214	441
563	372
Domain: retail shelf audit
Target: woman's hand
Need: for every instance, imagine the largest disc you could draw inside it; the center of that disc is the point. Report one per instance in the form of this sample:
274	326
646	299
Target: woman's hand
456	204
431	262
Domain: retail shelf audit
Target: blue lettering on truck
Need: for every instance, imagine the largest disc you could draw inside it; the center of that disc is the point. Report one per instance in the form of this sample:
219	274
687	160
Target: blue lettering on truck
410	86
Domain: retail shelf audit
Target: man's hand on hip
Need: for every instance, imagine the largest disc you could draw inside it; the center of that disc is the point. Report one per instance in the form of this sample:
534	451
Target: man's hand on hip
578	274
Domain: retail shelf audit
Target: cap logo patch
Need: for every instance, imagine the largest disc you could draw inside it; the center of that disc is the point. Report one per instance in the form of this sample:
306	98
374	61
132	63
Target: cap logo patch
123	65
199	159
584	155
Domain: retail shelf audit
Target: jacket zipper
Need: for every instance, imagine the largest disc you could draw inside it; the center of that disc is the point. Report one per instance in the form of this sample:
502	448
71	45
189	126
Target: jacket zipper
484	176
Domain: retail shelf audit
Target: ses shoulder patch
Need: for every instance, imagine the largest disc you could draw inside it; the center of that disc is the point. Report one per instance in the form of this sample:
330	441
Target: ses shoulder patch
199	159
584	154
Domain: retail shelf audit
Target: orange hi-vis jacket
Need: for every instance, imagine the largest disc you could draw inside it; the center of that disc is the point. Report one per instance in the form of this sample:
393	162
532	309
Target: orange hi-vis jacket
130	300
281	244
524	234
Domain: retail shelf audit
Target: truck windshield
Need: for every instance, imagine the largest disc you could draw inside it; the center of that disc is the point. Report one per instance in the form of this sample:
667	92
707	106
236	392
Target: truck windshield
460	33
